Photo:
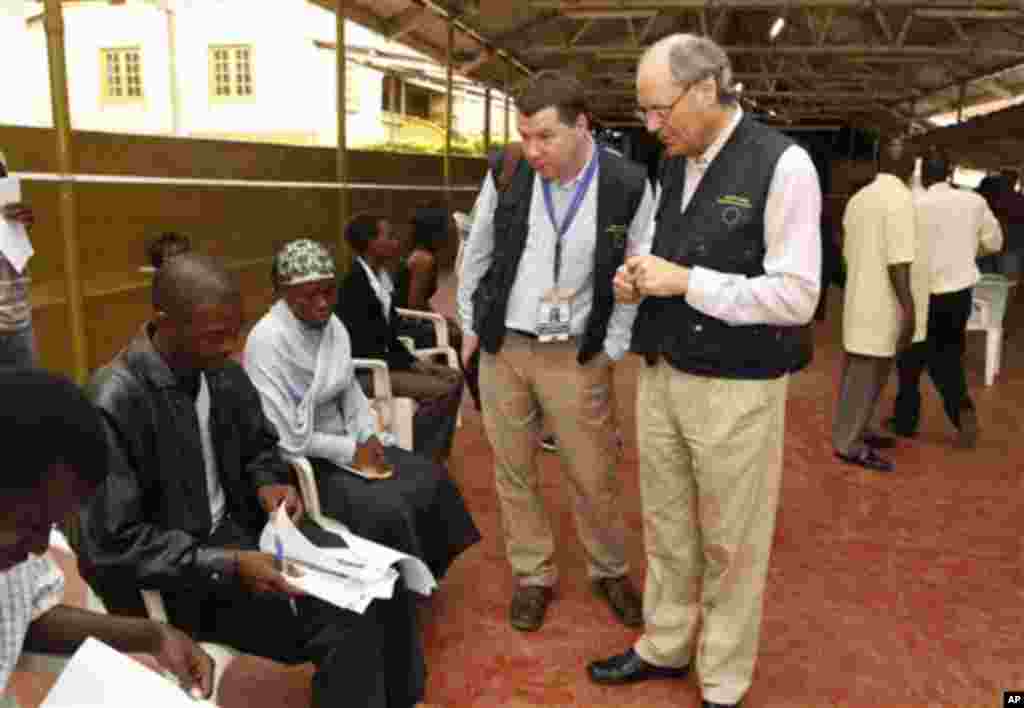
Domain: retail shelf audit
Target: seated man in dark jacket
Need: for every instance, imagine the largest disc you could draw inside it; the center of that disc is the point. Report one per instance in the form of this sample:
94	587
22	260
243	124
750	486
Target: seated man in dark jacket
194	472
366	308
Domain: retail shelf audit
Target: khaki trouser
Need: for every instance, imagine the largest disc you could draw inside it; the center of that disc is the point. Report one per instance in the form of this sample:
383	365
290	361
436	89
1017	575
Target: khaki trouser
860	384
516	385
710	468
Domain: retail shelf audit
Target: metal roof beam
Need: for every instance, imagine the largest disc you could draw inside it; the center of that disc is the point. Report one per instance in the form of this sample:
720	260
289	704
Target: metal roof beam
407	21
960	7
853	50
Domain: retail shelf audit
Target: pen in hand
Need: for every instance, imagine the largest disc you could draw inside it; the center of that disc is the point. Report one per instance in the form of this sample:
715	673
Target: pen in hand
279	564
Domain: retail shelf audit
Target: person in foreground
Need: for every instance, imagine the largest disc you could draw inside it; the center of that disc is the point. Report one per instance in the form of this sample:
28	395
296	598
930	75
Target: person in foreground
299	357
732	277
194	473
535	294
64	458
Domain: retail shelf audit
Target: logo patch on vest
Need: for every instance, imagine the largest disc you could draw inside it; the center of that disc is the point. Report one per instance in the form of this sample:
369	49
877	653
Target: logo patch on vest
735	200
735	206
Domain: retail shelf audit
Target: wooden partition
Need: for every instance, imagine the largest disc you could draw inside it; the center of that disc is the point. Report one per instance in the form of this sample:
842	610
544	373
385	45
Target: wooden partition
241	225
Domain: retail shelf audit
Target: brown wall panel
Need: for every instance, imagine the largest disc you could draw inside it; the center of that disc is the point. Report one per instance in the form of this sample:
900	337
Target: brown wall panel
241	225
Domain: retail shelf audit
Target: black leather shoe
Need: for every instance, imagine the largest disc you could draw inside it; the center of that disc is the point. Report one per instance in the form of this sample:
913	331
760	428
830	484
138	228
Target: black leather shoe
629	668
868	459
709	704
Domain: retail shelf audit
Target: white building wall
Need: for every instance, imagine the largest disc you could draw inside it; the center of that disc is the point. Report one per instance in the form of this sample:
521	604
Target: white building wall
26	93
293	79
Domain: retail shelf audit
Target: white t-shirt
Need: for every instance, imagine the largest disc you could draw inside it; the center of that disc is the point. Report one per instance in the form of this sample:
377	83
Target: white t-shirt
214	489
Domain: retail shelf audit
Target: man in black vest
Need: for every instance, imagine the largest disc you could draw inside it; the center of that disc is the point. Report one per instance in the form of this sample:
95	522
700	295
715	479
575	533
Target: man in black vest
732	275
536	295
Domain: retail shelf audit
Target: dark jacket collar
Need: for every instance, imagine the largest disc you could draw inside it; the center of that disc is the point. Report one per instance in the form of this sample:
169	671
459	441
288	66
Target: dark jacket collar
142	357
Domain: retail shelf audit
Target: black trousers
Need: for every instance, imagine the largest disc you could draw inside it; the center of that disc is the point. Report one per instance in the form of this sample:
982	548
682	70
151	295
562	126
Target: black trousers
373	660
942	354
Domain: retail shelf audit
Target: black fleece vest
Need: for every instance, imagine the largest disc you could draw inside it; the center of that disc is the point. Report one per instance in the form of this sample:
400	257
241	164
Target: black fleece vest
721	229
620	190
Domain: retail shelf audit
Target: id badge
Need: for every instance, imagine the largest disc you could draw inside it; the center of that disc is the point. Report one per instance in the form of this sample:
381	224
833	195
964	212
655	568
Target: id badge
554	318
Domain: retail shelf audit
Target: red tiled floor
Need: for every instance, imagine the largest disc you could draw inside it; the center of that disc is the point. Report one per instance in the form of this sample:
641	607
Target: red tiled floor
901	589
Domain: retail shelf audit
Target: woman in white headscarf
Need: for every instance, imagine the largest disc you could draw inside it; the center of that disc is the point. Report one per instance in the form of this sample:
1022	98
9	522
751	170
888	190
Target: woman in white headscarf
299	358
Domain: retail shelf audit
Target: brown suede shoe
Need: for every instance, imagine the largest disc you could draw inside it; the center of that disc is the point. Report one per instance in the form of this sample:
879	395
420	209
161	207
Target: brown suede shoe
622	598
529	603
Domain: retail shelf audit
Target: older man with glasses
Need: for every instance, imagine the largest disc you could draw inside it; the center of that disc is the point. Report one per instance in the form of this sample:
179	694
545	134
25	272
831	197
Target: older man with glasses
732	275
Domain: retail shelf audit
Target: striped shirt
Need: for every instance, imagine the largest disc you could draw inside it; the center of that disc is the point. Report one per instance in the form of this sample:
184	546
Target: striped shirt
28	590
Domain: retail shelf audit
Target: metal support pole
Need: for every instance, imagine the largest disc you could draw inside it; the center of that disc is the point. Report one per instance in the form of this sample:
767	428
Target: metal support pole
507	103
448	117
67	216
487	120
344	257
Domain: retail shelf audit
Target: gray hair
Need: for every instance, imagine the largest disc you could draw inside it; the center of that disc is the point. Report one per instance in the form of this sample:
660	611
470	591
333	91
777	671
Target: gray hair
692	58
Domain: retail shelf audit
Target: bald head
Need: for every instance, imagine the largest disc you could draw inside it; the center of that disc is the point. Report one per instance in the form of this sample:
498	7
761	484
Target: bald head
190	280
689	58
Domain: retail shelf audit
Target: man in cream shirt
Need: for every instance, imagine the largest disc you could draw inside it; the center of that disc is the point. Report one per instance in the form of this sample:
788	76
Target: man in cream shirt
953	225
879	310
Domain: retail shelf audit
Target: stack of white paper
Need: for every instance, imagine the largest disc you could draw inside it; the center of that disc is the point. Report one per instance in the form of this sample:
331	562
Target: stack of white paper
97	675
350	578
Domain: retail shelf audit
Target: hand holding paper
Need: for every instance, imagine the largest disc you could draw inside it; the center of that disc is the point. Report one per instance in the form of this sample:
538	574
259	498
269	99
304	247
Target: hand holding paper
97	675
258	572
17	217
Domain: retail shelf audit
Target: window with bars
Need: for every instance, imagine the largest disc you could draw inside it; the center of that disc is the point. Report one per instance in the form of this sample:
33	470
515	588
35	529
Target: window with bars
231	72
122	74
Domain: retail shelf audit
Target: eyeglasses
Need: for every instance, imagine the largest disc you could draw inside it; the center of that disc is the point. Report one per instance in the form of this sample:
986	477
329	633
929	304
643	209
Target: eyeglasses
660	112
663	112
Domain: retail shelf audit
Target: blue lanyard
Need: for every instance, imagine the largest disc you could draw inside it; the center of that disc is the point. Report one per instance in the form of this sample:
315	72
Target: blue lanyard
574	207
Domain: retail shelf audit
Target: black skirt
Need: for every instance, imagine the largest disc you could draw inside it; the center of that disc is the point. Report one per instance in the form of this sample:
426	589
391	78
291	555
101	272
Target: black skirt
418	510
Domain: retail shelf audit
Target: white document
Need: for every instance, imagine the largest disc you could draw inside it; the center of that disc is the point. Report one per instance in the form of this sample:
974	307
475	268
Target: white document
14	243
350	578
415	572
97	675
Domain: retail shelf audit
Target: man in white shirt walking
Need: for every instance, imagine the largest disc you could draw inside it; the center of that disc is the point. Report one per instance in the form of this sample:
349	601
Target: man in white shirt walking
956	224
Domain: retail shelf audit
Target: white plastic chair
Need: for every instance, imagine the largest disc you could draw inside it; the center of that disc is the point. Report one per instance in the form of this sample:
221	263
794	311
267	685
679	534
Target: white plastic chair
988	309
443	348
310	496
393	413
